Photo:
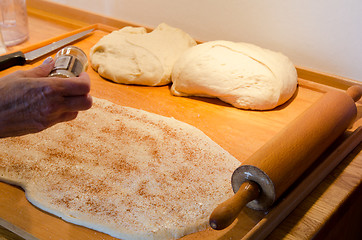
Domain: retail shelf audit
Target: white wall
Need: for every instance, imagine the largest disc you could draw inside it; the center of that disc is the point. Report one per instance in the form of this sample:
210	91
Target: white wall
325	35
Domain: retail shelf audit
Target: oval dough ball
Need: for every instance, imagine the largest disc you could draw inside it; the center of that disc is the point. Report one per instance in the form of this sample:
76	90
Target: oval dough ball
133	56
241	74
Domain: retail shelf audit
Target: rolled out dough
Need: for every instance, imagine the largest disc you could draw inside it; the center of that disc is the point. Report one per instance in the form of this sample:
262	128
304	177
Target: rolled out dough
126	172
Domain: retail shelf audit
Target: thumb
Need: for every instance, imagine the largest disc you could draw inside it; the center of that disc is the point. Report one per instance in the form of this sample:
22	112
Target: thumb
42	70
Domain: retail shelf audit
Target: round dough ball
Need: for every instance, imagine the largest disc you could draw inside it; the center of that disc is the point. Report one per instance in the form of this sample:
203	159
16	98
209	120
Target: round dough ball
242	74
133	56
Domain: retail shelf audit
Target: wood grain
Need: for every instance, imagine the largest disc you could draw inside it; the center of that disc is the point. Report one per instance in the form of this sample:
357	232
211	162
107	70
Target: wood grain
225	213
5	234
298	193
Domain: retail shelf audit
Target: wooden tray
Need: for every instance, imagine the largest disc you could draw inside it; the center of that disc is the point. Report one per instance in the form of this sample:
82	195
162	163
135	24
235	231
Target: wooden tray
238	131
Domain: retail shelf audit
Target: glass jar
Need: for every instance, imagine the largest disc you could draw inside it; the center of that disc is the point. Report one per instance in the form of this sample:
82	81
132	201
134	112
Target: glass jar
14	21
70	61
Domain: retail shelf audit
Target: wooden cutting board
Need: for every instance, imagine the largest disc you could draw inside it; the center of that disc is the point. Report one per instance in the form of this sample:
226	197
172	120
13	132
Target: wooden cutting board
240	132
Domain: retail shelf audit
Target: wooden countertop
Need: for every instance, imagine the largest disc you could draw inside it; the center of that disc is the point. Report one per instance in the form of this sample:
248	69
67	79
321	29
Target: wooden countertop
333	209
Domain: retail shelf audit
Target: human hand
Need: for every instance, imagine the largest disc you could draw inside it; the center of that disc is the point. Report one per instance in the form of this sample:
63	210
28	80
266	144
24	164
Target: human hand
31	102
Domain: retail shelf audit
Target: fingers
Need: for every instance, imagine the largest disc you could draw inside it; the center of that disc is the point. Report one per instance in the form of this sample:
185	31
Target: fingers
42	70
63	95
30	101
74	86
66	86
68	116
75	97
77	103
69	86
41	124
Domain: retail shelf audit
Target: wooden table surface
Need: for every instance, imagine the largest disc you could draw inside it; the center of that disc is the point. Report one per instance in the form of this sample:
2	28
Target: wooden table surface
333	209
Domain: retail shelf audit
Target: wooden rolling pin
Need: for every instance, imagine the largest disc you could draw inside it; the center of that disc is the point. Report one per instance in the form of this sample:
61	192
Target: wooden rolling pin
276	165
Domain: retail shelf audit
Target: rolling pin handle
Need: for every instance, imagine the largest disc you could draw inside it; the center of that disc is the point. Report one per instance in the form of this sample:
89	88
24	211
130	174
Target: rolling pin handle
226	212
355	92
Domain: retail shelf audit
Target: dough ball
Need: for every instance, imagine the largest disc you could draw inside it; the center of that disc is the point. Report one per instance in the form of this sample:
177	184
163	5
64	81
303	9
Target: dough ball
241	74
133	56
